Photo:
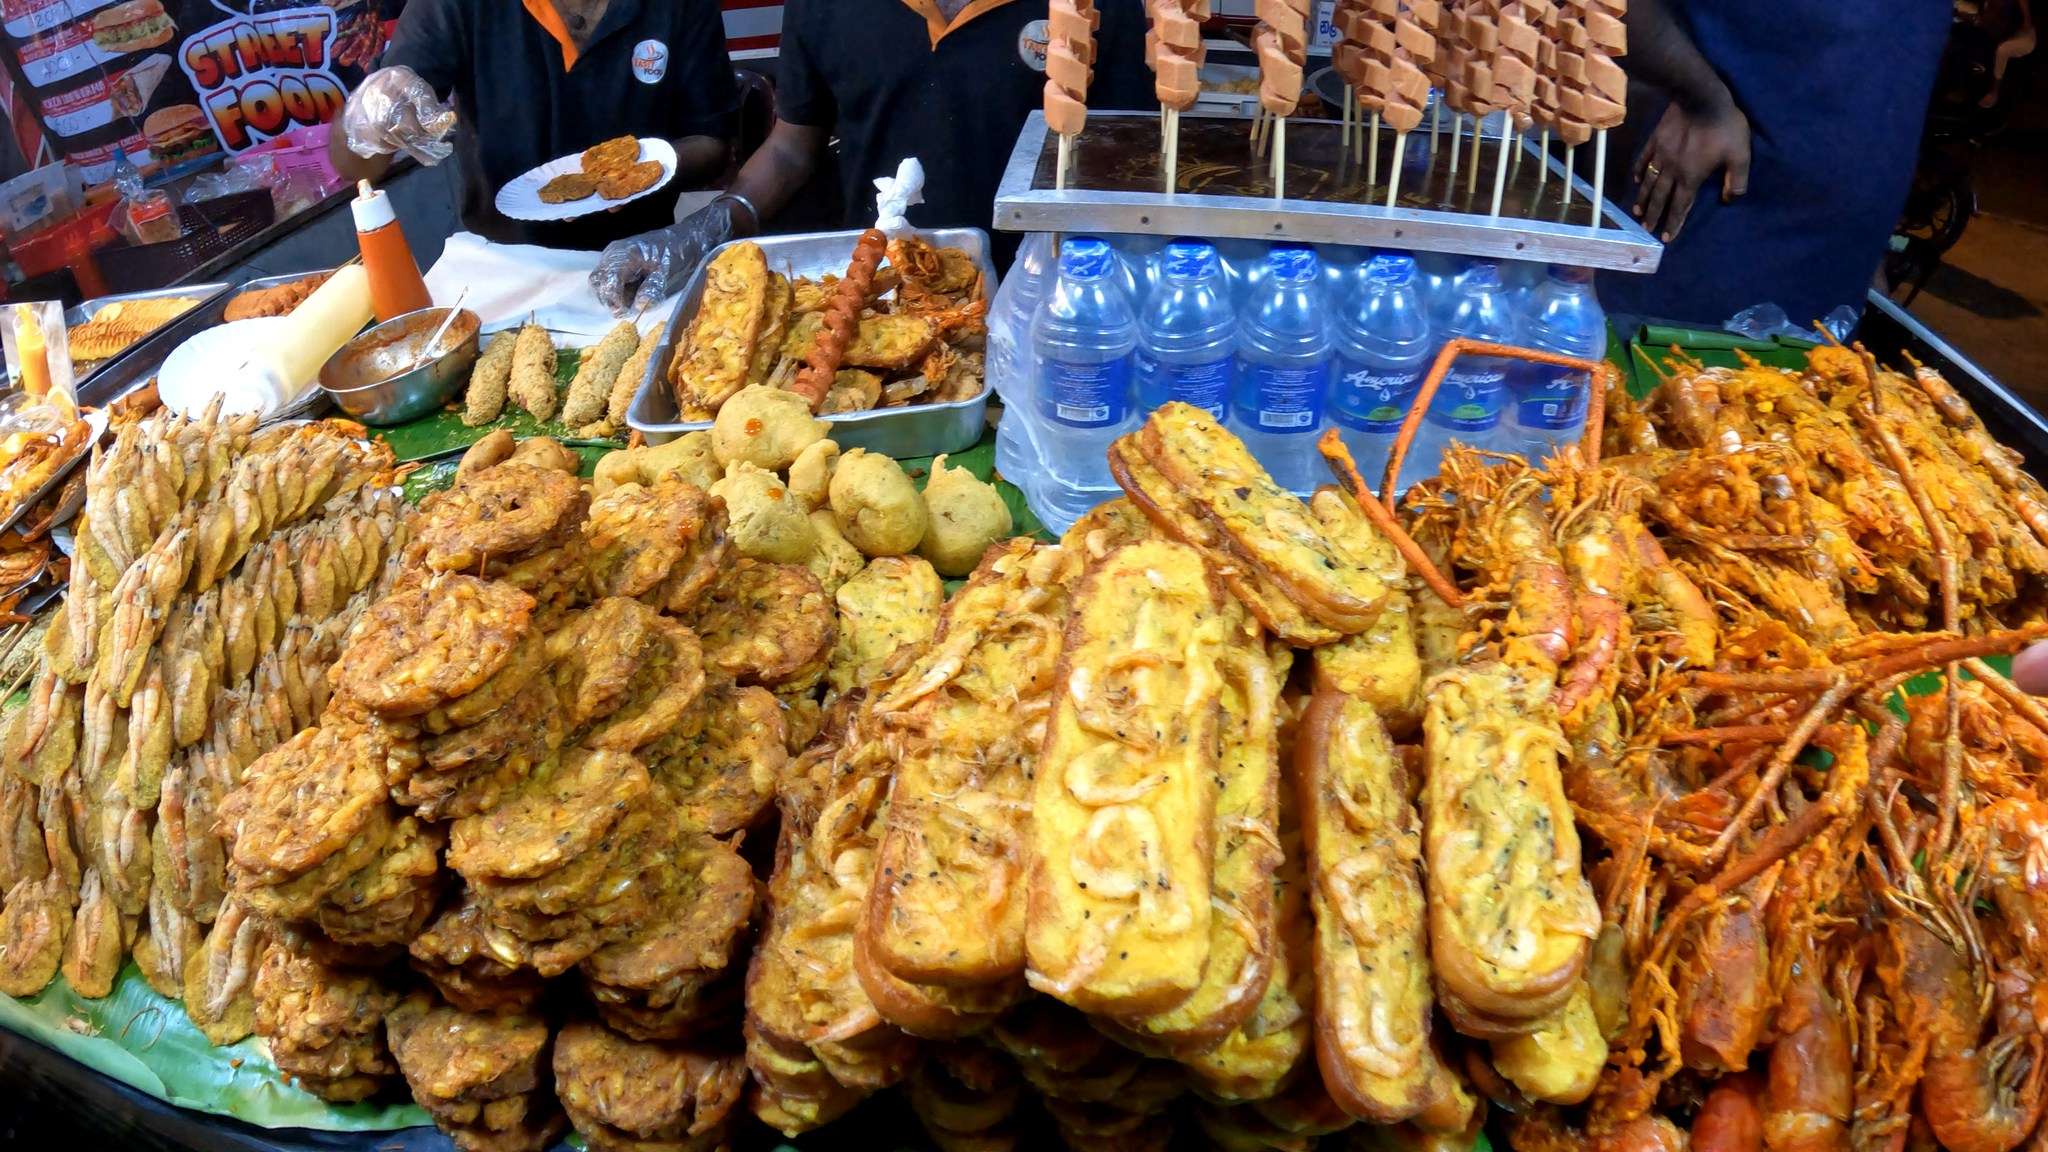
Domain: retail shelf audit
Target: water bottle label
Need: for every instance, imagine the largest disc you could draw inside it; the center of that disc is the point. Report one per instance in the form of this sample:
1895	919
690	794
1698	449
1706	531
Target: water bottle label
1205	386
1087	395
1471	400
1553	399
1287	399
1370	400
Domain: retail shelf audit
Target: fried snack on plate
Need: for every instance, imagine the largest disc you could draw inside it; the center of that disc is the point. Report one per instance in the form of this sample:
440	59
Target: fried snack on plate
1374	1002
1125	790
1511	917
490	380
1282	559
892	604
624	386
703	911
852	390
480	1075
630	180
568	187
548	454
615	153
324	1024
971	706
836	561
623	1094
810	474
713	359
94	948
1247	850
433	642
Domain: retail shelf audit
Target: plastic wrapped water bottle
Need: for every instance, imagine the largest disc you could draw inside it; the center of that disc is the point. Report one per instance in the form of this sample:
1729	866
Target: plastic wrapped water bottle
1469	404
1549	408
1436	279
1283	368
1187	331
1083	338
1384	347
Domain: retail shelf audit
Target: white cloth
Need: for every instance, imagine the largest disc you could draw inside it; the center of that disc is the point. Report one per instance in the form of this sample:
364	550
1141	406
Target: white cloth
506	282
894	196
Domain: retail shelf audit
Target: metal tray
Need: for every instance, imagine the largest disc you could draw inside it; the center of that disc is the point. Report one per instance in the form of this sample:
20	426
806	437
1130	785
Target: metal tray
122	374
1117	176
917	430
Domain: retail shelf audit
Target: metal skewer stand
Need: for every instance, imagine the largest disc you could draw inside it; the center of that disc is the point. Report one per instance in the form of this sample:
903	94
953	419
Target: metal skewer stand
1225	190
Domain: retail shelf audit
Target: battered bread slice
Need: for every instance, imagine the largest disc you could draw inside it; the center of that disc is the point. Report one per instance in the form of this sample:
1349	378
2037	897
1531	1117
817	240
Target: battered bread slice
718	351
1125	791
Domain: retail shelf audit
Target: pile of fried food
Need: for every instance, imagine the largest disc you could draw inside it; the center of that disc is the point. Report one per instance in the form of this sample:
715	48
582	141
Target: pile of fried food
121	325
612	170
517	366
882	336
276	300
1579	795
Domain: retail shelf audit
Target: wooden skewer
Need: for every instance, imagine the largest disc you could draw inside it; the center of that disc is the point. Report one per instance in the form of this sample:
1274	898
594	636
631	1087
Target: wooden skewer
1259	131
1436	121
1472	169
1500	167
1394	177
1571	155
1543	169
1599	174
1358	129
1350	109
1059	172
1456	147
1172	150
1517	169
1372	153
1280	159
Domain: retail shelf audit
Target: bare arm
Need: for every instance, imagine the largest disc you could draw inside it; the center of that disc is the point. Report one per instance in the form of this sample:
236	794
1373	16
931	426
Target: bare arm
699	160
1661	52
772	176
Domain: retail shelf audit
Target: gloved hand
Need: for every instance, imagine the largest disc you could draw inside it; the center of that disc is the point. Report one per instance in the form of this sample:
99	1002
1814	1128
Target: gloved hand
640	271
395	111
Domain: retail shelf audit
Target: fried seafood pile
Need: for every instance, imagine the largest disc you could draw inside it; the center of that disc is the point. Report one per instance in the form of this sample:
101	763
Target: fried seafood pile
906	331
218	571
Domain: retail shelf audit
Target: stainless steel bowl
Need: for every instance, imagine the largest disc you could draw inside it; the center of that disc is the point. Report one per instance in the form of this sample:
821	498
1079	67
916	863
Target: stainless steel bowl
385	376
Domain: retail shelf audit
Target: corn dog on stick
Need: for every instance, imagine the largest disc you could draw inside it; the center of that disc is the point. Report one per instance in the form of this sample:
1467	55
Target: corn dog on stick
590	392
489	379
532	386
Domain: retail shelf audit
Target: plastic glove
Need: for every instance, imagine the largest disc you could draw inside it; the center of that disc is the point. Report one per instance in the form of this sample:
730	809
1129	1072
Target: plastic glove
640	271
395	111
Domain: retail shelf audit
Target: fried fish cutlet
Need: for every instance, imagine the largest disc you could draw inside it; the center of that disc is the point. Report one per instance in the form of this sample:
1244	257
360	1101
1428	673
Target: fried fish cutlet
1125	789
617	152
568	187
631	180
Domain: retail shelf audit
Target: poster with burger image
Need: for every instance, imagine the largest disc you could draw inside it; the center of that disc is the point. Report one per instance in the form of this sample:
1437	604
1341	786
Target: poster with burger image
180	138
133	26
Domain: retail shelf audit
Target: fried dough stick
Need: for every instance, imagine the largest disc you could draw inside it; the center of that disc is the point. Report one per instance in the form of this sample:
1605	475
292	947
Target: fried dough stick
1125	791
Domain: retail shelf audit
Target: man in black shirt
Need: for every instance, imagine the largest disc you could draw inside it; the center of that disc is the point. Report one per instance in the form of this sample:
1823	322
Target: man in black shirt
947	81
541	79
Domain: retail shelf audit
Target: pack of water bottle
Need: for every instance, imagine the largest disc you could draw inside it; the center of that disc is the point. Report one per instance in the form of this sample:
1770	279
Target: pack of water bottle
1279	342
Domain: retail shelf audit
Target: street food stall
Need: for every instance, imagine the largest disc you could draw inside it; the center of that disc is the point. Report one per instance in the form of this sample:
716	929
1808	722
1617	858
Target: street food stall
1198	687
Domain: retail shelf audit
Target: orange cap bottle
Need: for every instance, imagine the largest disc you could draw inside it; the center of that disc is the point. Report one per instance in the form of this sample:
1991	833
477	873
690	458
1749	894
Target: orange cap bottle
396	286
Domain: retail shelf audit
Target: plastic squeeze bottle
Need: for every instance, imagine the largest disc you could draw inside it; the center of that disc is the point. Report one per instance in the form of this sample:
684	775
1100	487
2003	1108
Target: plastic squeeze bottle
396	286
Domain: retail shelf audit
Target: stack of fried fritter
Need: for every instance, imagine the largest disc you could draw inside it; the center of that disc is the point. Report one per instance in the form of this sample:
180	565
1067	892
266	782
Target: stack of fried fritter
483	1077
628	1096
325	1024
218	570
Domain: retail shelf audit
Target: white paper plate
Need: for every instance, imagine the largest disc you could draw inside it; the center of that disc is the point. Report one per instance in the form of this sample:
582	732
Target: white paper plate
521	198
204	366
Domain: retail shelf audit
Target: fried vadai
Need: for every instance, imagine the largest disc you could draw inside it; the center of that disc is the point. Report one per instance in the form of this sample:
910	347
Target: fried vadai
765	623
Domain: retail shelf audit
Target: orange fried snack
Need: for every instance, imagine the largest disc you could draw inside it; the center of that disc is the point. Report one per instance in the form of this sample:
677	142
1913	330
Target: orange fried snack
568	187
631	180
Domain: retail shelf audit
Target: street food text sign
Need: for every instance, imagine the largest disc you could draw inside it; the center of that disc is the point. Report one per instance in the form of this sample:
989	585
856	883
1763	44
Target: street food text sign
259	77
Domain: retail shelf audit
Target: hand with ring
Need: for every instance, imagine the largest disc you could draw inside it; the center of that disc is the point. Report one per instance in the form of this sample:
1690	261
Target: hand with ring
1687	148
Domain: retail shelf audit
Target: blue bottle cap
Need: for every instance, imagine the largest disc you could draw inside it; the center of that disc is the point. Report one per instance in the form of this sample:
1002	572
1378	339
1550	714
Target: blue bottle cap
1391	269
1186	259
1086	258
1293	263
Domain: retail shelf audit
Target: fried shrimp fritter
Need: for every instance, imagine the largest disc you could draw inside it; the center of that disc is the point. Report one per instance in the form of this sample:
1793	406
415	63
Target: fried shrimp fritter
324	1024
387	903
482	1076
765	623
631	180
661	543
613	154
704	904
722	761
461	956
622	1094
496	513
568	187
34	919
559	813
306	802
627	670
433	642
